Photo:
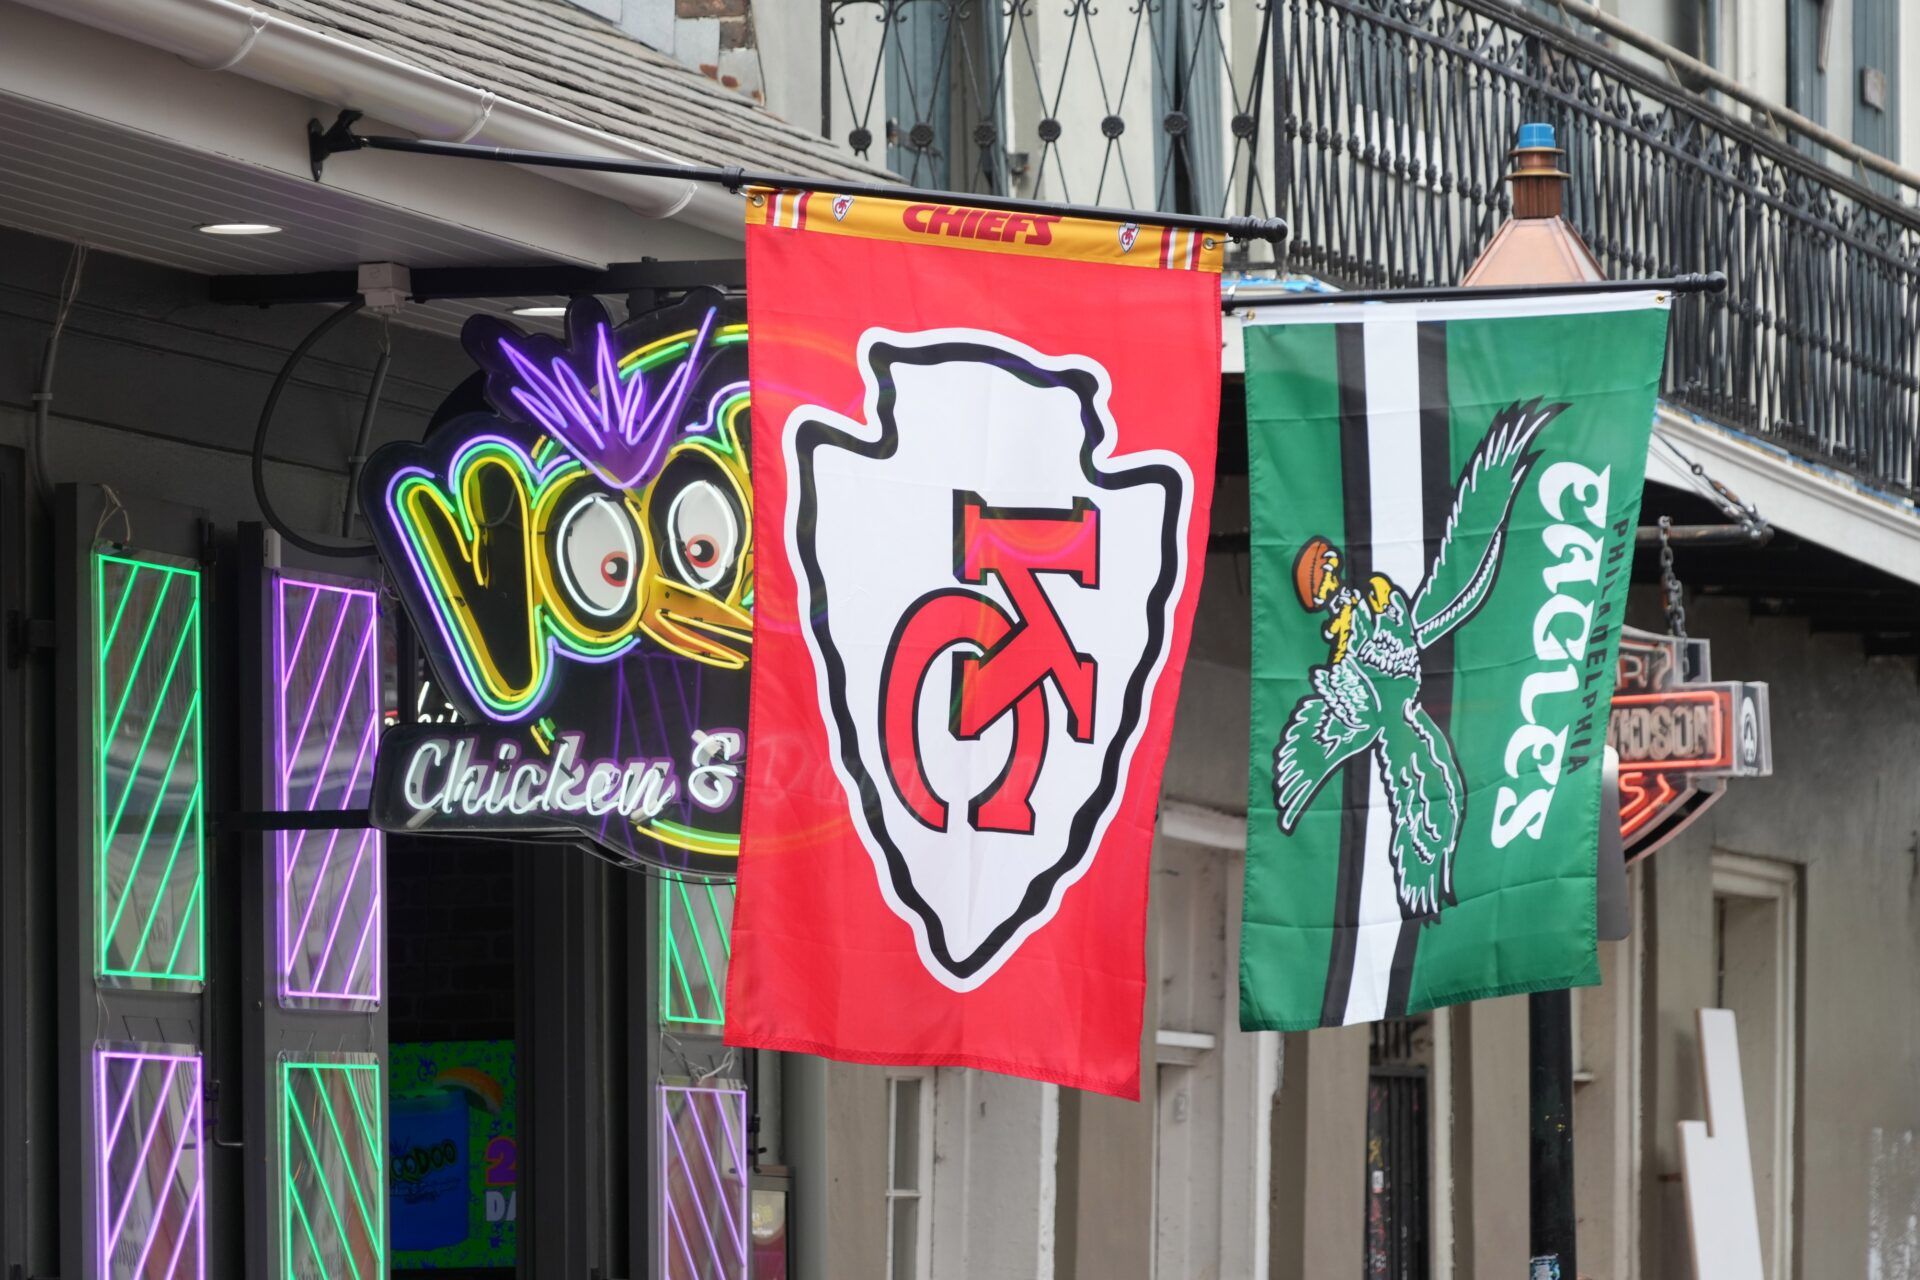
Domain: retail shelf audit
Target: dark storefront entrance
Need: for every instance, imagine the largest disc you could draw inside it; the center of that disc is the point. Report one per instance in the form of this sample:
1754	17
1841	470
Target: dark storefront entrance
453	1185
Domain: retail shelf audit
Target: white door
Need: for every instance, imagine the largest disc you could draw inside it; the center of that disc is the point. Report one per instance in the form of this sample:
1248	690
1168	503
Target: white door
1212	1087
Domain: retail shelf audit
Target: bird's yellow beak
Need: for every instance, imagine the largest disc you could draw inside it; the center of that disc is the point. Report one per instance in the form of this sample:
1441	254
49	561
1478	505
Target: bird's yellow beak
699	625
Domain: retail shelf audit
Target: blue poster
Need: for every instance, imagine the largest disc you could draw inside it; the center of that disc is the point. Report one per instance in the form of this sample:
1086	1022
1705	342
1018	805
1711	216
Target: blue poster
453	1180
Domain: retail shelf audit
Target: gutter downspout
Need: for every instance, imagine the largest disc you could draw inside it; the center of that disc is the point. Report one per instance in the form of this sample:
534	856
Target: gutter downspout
220	35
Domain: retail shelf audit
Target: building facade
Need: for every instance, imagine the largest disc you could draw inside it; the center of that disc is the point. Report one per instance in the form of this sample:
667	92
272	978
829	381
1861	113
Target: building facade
571	1009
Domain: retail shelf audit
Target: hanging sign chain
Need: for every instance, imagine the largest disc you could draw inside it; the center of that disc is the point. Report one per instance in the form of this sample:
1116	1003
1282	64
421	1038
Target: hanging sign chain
1676	609
1731	506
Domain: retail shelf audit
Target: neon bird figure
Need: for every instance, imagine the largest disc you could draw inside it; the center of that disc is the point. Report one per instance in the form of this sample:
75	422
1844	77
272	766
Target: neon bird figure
574	543
636	529
1366	698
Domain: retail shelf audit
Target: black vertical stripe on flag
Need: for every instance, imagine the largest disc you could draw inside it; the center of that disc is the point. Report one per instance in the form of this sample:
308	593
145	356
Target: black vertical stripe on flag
1356	779
1436	501
1436	661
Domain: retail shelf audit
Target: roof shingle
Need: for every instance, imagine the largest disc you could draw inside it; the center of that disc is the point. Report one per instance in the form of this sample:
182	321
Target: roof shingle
549	55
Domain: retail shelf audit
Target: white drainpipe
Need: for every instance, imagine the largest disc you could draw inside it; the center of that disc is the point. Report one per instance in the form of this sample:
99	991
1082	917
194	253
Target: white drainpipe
219	35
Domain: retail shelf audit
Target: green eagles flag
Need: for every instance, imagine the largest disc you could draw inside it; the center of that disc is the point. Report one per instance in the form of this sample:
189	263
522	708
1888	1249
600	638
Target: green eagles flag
1444	501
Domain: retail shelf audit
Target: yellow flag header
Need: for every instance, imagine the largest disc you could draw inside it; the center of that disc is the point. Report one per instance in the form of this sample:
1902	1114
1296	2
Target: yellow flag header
960	226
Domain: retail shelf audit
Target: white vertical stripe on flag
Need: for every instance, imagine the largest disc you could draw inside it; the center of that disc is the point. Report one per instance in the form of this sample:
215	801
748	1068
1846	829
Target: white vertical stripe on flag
1399	551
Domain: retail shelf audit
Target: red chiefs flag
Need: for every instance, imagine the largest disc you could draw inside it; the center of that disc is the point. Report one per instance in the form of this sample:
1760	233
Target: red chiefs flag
983	451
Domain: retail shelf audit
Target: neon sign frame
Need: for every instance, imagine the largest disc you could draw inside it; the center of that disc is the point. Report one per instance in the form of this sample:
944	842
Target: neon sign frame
696	922
360	1157
704	1229
595	660
1665	787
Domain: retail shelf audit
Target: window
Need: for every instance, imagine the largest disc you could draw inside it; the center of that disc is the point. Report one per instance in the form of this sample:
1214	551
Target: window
946	72
1755	948
1188	47
909	1176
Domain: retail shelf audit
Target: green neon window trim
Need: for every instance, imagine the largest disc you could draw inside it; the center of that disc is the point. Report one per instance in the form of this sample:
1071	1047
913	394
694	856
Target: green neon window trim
115	614
293	1129
333	1208
693	908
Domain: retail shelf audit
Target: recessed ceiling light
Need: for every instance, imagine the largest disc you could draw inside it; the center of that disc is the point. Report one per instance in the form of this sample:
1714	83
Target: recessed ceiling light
240	229
540	312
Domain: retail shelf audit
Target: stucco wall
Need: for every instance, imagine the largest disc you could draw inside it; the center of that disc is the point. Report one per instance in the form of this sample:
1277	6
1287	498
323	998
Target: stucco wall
1844	805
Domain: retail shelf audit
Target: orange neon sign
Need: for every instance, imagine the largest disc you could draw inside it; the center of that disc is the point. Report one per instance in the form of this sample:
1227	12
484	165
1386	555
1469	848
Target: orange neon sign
1679	736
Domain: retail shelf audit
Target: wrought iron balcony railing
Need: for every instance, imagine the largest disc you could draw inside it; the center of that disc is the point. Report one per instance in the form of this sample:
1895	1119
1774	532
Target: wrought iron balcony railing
1393	120
1146	104
1379	129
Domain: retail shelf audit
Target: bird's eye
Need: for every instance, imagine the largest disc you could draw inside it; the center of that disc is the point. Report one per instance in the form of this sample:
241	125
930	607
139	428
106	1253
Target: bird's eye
704	534
597	552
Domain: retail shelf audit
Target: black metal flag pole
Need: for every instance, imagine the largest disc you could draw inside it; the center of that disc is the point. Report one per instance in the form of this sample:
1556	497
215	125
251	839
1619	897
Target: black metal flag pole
1263	294
324	142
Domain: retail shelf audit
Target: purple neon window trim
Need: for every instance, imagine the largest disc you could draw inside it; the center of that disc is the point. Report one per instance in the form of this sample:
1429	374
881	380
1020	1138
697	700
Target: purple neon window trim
146	1148
719	1187
113	1204
333	738
354	684
360	946
709	1191
173	1168
290	752
326	862
346	899
673	1131
333	838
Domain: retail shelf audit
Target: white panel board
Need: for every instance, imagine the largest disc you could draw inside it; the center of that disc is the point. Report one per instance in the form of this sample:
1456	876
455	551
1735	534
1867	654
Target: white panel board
1714	1162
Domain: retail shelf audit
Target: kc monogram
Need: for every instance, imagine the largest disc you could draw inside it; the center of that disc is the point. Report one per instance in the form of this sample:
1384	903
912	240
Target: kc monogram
1018	654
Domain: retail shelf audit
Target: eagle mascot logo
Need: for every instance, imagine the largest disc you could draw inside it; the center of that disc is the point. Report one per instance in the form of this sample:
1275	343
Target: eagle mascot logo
1366	699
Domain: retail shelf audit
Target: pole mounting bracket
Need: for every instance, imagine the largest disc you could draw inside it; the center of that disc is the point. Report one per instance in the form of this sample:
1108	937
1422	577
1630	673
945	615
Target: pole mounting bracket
331	140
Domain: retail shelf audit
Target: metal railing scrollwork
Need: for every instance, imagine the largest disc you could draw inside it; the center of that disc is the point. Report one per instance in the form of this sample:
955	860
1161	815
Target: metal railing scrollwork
1146	104
1393	121
1380	129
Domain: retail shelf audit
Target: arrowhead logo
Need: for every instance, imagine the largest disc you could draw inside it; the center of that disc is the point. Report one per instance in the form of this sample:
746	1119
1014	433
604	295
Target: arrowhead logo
990	593
840	206
1129	232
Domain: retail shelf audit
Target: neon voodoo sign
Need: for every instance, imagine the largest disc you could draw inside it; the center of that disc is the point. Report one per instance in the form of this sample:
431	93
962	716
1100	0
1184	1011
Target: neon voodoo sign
578	564
1680	735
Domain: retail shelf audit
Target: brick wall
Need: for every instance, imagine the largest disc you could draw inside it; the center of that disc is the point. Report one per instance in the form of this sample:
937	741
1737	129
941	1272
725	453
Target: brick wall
450	931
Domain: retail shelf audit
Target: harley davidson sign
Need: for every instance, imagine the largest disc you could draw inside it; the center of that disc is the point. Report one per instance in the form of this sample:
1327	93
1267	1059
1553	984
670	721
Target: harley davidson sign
1680	735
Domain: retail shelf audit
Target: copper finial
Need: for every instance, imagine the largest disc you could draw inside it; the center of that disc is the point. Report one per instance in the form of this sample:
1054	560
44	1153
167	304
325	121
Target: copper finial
1536	245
